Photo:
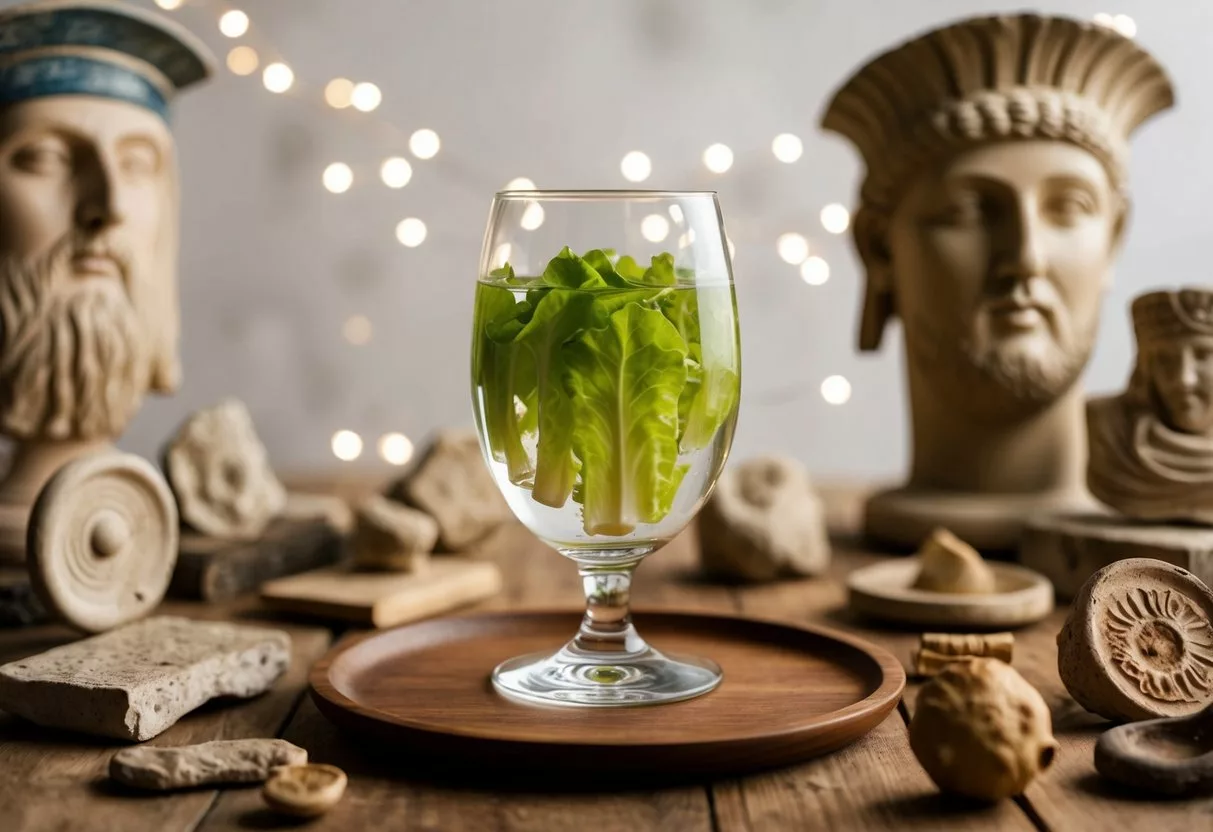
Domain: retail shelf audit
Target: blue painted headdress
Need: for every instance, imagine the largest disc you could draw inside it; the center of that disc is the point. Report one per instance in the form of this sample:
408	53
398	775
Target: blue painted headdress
97	47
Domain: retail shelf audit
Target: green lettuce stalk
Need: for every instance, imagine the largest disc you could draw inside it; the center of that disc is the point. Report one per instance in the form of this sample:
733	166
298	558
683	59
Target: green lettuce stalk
624	382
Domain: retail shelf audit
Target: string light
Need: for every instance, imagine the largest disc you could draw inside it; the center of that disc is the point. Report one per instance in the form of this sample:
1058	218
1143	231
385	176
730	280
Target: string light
347	445
278	77
424	143
339	93
676	213
792	247
395	448
787	148
233	23
836	390
636	166
718	158
655	228
169	5
396	172
358	330
365	96
243	60
519	184
532	216
687	239
1124	24
338	177
835	218
815	271
411	232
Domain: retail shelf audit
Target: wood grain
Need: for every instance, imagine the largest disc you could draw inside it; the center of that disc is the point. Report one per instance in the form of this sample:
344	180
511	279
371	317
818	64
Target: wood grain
56	780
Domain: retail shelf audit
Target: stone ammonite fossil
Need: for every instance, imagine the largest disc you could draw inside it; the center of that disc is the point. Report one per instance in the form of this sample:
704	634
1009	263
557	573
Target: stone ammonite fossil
221	475
102	541
1139	642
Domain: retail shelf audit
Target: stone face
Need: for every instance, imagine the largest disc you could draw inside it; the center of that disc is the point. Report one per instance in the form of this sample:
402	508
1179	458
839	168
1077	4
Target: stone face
980	730
951	565
222	761
390	535
304	791
453	485
134	682
221	475
1138	643
762	522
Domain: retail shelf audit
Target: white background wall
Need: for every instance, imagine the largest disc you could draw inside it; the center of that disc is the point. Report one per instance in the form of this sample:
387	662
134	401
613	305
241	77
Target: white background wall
558	91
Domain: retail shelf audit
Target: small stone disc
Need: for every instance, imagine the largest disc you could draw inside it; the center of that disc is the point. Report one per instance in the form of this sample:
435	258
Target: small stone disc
102	541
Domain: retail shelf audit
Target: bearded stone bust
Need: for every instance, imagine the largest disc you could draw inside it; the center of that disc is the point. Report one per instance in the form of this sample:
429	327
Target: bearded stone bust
992	211
89	316
1152	446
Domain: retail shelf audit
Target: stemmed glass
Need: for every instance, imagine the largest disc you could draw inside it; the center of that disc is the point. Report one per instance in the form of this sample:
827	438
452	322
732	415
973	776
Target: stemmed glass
605	382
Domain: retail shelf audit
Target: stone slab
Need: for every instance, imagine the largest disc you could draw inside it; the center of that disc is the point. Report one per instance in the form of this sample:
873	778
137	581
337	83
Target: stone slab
136	681
1069	548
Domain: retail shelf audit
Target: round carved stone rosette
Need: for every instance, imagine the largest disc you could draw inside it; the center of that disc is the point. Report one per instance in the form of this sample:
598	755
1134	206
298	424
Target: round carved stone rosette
1139	642
102	541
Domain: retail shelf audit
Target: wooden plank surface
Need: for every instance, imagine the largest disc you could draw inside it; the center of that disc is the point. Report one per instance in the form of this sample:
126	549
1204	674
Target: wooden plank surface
50	780
55	780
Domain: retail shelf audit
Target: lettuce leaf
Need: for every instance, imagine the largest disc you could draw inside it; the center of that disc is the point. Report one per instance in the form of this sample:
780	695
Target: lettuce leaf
624	382
502	372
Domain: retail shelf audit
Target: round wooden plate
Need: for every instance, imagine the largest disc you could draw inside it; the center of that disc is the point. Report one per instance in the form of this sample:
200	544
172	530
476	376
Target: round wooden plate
883	590
789	693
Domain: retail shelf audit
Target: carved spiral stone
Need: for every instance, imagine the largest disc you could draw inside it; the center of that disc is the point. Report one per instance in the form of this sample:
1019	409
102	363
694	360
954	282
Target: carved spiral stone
1139	642
102	541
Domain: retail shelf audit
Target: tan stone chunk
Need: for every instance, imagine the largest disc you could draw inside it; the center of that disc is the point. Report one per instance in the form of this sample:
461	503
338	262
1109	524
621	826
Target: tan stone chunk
452	483
951	565
221	761
390	535
980	730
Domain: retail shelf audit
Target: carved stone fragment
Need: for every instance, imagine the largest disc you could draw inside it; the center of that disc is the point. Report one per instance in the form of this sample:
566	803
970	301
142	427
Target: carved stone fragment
221	475
980	730
1138	642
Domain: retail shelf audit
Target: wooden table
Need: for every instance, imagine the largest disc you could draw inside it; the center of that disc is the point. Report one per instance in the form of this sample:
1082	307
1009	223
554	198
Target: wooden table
57	781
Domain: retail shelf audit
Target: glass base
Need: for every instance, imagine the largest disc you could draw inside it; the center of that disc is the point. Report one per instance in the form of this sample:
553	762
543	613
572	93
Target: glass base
578	678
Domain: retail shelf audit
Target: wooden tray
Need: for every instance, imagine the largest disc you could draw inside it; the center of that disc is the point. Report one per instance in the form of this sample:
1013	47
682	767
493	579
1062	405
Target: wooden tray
789	693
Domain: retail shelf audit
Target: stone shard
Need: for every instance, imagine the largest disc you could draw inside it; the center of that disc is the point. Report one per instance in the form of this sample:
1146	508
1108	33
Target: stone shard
134	682
452	483
951	565
221	475
222	761
390	535
762	522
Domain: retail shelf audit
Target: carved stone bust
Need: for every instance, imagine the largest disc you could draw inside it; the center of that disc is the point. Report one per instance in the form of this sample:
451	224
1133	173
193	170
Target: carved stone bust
88	231
1152	446
992	210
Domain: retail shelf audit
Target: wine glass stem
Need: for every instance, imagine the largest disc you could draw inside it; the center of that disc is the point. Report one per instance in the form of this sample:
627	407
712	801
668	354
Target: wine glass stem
607	625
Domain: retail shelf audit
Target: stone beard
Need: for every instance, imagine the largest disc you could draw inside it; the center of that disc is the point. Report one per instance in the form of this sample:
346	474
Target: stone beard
73	364
1005	374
